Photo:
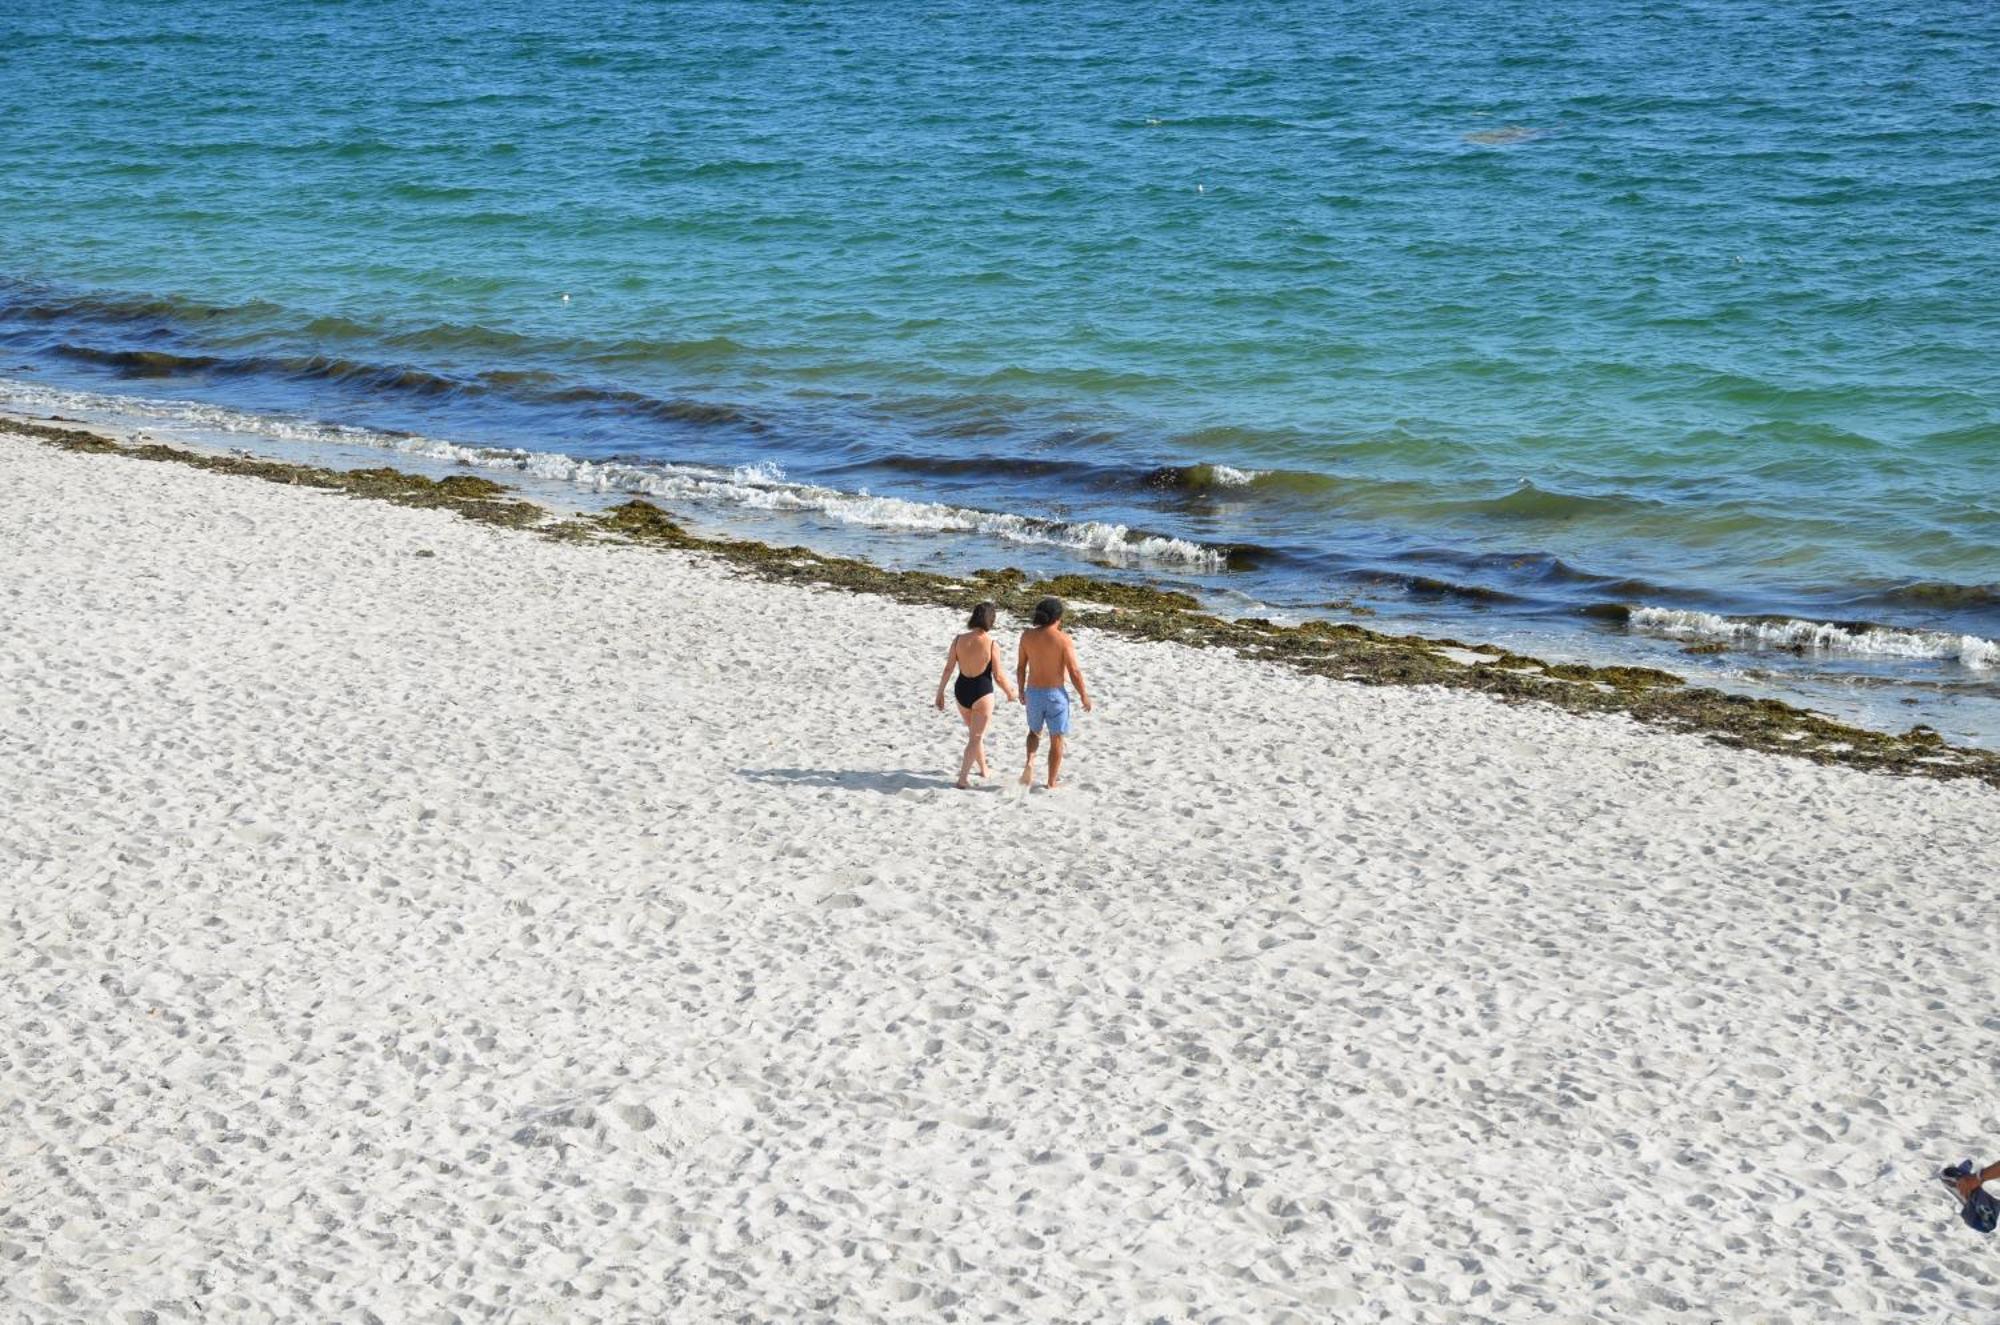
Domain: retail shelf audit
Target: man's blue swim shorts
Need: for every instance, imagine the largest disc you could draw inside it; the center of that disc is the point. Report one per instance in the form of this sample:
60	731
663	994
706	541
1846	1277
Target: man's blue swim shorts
1048	706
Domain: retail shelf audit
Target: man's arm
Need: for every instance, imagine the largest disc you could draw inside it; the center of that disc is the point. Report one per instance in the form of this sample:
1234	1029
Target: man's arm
1000	673
1075	670
1021	670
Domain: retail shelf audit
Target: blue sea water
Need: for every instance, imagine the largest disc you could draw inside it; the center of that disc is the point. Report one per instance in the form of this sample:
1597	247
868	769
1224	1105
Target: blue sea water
1616	327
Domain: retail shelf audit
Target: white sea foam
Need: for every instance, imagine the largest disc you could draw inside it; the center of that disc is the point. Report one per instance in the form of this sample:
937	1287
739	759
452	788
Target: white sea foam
764	488
1228	476
185	414
760	487
1969	650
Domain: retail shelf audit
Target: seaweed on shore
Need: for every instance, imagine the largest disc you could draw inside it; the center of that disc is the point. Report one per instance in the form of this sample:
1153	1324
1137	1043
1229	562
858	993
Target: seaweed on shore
1341	650
473	497
642	521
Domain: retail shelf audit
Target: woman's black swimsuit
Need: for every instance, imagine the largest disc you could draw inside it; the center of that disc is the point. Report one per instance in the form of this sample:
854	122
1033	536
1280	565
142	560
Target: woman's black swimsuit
971	689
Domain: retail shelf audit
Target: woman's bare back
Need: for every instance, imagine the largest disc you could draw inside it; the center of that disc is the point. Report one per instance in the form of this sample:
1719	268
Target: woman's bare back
973	652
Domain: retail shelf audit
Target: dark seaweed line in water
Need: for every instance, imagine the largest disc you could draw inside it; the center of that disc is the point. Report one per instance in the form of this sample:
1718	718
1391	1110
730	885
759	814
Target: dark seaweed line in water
1553	586
406	379
32	303
1338	650
1192	482
544	387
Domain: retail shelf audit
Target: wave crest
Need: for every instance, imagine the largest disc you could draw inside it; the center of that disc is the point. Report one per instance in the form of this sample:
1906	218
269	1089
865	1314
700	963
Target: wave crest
1529	502
760	486
1826	636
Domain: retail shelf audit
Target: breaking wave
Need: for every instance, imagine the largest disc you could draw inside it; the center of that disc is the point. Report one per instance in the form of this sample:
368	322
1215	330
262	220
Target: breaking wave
758	487
1825	636
1207	477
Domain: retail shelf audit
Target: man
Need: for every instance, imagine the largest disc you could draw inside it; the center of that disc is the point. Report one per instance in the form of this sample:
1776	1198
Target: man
1047	662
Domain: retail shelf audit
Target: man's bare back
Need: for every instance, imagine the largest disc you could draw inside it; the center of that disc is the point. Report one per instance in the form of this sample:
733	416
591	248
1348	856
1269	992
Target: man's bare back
1048	656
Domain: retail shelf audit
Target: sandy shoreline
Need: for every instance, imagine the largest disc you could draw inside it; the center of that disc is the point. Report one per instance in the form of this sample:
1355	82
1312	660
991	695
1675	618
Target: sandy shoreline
1662	699
547	931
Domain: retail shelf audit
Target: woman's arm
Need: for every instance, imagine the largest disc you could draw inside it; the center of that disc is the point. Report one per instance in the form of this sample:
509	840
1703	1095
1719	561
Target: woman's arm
1000	673
950	666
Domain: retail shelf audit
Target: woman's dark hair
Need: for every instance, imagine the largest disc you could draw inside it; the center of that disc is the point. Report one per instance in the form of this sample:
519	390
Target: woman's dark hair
1048	611
983	616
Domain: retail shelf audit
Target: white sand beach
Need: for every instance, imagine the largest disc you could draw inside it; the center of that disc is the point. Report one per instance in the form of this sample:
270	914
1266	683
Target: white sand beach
403	919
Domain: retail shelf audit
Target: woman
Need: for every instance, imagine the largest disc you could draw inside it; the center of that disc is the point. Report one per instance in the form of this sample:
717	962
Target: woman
976	657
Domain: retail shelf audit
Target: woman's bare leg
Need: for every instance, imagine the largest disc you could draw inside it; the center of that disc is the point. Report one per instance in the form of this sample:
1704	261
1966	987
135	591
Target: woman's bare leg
965	756
976	719
982	715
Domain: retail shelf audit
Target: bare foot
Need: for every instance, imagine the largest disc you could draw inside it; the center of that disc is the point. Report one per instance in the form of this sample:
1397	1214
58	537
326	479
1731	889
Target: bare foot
962	785
1028	776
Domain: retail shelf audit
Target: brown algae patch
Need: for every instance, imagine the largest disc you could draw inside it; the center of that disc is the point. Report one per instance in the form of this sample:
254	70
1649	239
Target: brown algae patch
642	522
1337	649
1086	588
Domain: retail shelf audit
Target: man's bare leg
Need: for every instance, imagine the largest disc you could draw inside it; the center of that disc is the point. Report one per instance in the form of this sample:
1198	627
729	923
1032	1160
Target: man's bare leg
1055	759
1028	771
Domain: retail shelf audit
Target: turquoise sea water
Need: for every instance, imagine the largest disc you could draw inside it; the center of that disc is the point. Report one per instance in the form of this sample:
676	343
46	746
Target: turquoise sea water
1630	325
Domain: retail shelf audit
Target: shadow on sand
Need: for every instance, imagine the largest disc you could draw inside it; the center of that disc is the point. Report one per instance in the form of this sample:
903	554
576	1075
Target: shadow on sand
848	779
